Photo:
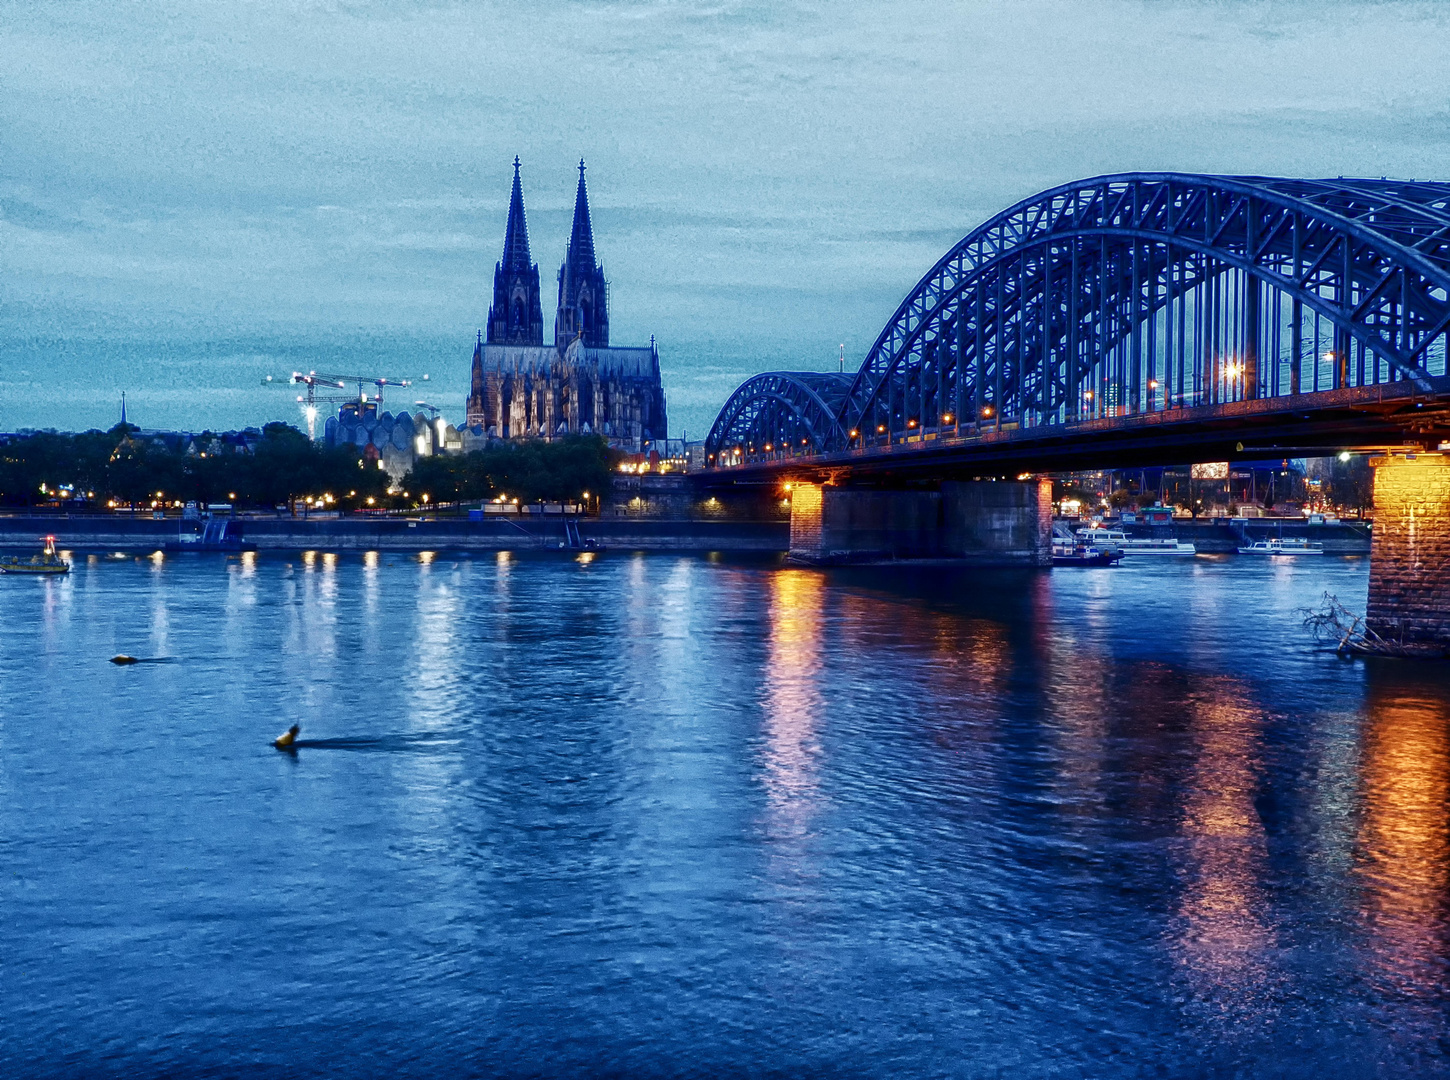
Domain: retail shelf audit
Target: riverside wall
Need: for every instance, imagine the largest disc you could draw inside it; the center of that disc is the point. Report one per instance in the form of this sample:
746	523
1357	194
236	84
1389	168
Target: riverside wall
530	531
637	532
669	513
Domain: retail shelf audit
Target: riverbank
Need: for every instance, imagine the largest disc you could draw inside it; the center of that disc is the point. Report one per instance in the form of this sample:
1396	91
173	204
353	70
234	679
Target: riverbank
1221	536
110	532
105	532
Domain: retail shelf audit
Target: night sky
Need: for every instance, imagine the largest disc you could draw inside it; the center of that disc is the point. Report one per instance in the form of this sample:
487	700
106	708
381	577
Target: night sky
193	196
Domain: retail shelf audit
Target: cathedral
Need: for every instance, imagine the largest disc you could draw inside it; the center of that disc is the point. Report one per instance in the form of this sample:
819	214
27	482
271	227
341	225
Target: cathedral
579	384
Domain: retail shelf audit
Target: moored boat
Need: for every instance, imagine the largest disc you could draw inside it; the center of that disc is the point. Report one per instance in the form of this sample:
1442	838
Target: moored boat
1291	545
47	562
1066	552
1134	545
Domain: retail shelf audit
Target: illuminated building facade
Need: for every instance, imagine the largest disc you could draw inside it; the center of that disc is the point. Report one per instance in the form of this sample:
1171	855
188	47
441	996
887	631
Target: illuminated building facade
580	384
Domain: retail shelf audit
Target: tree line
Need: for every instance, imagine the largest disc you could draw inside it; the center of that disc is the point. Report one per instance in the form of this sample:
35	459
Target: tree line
120	467
280	466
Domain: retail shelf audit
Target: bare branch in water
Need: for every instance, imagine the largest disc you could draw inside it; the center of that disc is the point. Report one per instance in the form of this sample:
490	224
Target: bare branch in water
1352	634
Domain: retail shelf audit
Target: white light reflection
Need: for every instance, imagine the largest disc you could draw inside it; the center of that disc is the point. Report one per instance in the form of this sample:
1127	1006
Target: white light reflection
370	590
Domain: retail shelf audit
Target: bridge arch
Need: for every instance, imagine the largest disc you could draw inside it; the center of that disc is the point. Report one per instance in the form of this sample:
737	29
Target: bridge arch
1147	292
779	414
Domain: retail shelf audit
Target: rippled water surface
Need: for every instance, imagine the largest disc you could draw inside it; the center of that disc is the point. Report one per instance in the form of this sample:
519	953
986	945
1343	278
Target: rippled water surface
658	816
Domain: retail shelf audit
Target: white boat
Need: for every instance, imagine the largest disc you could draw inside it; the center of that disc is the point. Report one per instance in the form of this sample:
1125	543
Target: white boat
1117	540
1293	545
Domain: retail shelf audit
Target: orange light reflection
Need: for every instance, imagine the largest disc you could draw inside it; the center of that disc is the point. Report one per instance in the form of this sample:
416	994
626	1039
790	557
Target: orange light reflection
793	701
1404	837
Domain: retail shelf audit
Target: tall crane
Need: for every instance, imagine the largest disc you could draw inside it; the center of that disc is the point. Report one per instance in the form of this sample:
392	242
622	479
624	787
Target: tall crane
312	380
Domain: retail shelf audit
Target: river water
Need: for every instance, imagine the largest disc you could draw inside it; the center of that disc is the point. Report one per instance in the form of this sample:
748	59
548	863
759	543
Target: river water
687	816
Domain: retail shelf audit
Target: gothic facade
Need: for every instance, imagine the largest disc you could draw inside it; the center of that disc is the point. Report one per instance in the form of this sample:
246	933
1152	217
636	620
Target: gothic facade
522	388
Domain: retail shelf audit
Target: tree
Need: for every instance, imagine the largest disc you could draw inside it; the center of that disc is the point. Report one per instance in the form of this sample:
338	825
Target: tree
557	471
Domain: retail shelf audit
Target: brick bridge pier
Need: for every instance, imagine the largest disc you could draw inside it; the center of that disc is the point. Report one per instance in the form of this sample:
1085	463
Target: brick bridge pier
1409	573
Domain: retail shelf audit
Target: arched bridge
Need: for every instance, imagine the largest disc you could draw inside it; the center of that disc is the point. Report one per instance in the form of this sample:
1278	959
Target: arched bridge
1135	319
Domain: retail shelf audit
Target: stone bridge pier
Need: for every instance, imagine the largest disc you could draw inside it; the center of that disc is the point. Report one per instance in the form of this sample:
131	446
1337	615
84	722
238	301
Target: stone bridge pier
991	523
1409	570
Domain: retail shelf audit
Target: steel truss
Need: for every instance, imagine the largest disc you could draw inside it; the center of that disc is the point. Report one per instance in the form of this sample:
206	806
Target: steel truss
780	414
1132	294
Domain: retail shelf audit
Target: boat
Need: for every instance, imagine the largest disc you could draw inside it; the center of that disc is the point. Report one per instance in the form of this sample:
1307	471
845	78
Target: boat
1135	545
217	534
47	562
1067	552
1292	545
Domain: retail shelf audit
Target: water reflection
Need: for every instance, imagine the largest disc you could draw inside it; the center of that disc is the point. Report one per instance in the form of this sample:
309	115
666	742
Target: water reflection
1404	836
1225	930
793	696
912	824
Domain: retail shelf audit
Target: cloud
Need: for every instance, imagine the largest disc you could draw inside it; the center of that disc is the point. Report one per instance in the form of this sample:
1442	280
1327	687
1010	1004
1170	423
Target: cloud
768	180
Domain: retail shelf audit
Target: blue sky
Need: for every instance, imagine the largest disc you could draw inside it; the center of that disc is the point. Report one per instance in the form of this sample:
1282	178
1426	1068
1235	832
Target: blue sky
193	196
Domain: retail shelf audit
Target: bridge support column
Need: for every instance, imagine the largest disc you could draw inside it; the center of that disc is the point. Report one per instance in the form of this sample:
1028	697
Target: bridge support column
1007	522
830	524
1409	569
990	523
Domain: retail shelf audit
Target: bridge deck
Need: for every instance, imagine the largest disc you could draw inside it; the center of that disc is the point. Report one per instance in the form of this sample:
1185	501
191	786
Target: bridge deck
1368	417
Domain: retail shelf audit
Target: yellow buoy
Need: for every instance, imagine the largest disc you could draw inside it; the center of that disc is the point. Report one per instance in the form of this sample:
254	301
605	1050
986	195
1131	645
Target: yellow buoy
122	658
285	740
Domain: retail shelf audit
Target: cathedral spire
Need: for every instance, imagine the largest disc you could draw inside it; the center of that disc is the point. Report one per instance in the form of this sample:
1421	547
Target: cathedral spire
516	240
581	238
517	315
583	292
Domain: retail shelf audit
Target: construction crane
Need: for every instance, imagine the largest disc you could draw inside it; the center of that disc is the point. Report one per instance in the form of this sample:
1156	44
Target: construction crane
312	380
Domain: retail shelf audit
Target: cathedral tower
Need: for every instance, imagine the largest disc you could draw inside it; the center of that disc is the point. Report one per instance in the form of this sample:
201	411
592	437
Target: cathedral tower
583	292
517	315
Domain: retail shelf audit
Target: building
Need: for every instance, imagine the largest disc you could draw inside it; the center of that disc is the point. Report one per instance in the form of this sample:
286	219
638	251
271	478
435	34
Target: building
393	441
579	384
